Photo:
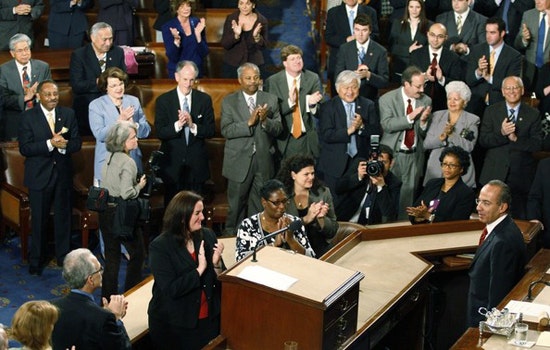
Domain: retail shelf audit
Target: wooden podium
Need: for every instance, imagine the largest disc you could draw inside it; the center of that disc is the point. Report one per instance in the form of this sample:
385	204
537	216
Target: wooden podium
319	310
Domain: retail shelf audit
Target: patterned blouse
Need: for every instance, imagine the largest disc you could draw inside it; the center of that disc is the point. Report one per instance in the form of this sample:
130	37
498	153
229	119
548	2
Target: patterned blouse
250	232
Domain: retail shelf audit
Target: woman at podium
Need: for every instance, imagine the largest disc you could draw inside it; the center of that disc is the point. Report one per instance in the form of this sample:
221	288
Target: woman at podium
254	231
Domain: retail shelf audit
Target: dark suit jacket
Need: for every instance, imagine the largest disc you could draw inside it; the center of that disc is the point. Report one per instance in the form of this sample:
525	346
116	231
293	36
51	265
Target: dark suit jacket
452	70
473	28
538	202
309	142
11	24
489	9
178	286
351	191
64	18
508	64
457	204
337	29
245	49
334	133
39	161
497	266
87	326
376	58
120	15
182	160
505	160
399	43
241	140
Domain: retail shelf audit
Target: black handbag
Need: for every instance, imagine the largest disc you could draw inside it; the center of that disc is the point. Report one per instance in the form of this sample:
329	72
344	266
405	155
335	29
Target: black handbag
125	219
97	198
144	208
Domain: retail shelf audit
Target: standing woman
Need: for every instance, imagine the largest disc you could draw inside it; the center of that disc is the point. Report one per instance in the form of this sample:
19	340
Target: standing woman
244	37
120	177
309	200
407	34
452	127
110	108
184	312
184	38
32	325
67	23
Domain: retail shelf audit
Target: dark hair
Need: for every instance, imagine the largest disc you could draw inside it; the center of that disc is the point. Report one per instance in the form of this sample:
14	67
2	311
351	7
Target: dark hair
175	5
177	215
386	149
363	20
290	50
498	21
459	152
269	187
424	24
43	82
111	72
409	73
296	163
505	193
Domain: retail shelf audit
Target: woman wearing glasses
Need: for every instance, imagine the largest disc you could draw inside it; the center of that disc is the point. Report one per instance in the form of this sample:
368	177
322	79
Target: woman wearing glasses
309	200
253	229
447	198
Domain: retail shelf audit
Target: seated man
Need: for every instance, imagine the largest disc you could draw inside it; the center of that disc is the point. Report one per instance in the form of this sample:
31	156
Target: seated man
82	322
366	199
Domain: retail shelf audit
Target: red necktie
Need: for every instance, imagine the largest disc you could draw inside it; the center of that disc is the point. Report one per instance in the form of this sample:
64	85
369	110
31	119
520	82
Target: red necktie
433	65
26	84
483	235
409	133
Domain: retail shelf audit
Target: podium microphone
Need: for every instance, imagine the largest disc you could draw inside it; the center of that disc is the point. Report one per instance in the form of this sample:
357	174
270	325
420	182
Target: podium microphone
294	225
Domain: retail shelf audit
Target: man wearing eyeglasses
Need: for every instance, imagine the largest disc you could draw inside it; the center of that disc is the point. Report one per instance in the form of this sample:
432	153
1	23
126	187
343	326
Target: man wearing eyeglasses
440	65
82	323
501	256
19	79
510	132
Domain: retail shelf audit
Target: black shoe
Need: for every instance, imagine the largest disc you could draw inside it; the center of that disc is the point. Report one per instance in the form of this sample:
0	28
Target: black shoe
36	270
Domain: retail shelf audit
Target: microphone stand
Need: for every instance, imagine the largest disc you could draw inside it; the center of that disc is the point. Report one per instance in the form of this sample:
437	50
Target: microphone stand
294	225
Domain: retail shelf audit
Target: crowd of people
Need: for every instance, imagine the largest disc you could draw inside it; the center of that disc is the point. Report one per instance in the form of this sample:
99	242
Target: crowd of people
454	125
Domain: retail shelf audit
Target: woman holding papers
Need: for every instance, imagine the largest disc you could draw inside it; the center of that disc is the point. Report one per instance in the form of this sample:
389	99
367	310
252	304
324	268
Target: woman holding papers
184	312
253	230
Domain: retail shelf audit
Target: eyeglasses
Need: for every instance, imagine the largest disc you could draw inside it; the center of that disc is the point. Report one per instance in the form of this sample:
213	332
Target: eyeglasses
98	271
483	202
27	49
450	165
438	36
422	86
278	203
512	88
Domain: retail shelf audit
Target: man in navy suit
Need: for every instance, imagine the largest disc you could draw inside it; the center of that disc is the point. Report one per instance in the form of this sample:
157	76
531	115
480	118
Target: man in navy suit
87	64
346	123
184	118
48	135
19	78
510	11
500	259
440	65
366	57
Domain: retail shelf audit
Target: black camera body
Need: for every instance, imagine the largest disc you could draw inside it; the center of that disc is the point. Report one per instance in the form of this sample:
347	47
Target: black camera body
374	166
153	180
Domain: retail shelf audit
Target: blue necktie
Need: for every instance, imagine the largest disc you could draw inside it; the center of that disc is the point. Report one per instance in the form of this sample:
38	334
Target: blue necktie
185	108
505	8
361	55
512	117
539	60
350	18
352	145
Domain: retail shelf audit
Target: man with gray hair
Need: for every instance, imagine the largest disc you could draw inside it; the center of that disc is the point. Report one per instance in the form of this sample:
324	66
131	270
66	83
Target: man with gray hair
82	322
19	79
87	64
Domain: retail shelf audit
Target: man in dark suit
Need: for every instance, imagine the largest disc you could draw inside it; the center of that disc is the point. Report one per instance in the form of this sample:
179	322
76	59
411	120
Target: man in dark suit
184	118
465	27
509	11
488	65
365	199
48	135
440	65
82	323
19	78
538	201
67	23
346	123
510	132
339	30
250	123
537	52
299	91
404	115
18	17
366	57
87	64
500	259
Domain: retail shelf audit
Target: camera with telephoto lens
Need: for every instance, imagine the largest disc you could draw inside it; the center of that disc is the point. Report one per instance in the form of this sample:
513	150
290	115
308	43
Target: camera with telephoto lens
374	166
153	180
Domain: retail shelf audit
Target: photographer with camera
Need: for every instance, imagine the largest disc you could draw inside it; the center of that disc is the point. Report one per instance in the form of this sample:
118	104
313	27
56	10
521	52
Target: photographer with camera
368	193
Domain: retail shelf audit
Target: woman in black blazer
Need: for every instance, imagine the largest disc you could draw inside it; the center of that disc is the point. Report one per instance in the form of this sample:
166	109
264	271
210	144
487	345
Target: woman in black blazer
447	198
184	312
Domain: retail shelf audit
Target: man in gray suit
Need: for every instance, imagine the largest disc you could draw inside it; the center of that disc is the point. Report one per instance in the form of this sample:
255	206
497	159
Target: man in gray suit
299	91
404	115
19	79
536	47
250	122
18	17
